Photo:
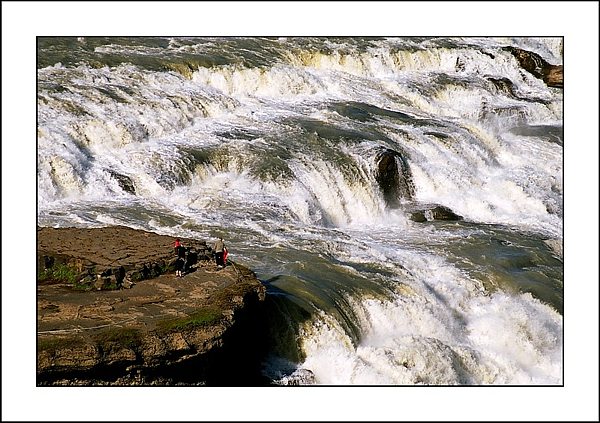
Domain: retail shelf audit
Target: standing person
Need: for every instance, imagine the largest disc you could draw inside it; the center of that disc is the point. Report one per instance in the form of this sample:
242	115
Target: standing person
179	267
219	248
225	253
177	246
186	262
181	251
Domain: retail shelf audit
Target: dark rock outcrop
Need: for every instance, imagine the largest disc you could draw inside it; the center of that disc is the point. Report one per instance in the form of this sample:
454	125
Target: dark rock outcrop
503	85
393	175
444	213
552	75
423	213
124	182
418	216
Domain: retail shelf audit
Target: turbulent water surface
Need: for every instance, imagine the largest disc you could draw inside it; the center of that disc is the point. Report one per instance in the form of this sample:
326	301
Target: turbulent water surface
320	161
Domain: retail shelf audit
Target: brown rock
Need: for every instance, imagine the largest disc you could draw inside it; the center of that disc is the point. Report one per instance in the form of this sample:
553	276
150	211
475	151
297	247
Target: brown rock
99	334
553	76
533	63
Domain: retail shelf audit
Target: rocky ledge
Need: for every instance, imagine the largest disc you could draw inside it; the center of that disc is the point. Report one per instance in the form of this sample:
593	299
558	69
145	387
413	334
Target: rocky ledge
110	311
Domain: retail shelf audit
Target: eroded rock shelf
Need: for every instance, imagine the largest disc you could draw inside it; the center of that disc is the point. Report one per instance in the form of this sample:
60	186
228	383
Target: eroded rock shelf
142	325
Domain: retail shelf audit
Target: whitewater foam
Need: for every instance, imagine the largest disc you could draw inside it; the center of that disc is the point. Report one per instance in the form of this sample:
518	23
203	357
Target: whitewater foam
276	143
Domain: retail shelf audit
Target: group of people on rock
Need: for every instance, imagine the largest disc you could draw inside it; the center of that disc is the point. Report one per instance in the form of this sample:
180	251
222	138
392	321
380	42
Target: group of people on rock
184	256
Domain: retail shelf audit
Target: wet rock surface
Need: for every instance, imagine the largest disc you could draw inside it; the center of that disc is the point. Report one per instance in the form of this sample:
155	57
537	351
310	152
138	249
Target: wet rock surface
533	63
429	212
394	177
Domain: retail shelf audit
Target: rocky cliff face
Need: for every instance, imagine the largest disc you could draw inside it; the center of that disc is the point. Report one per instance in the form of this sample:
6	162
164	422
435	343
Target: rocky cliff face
202	328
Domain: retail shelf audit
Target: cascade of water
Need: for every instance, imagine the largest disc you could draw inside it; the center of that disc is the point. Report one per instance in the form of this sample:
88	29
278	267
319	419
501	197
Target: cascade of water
312	154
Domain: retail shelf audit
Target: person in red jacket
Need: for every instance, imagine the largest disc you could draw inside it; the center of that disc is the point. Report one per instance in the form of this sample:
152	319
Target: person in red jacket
178	247
225	253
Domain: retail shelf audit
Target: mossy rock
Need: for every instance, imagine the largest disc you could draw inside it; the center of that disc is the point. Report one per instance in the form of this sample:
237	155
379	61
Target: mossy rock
55	343
59	272
125	337
199	318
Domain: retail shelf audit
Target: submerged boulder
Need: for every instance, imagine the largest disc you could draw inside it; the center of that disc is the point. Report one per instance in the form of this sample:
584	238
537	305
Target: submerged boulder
394	177
418	216
125	182
444	213
423	213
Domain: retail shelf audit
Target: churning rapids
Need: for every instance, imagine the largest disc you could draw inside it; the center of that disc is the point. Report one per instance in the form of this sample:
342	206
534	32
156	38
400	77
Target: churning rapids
401	198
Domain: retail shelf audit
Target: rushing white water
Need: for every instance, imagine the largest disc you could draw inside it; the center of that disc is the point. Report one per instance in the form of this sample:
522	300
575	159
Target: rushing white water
277	143
448	333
